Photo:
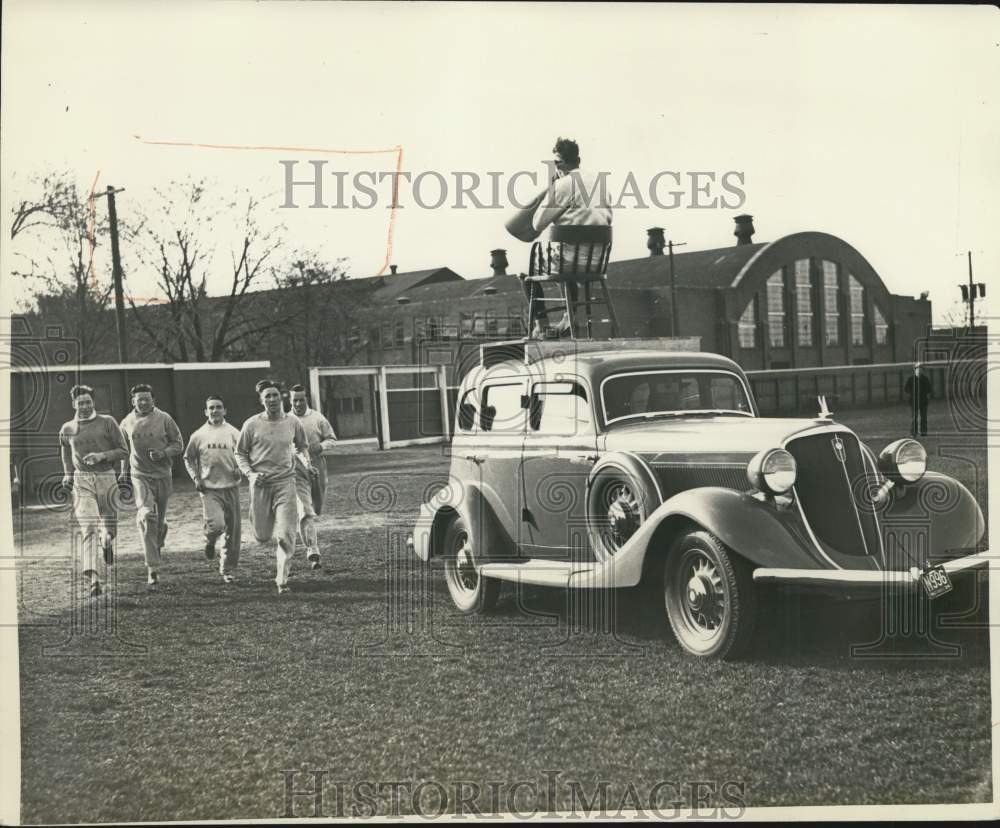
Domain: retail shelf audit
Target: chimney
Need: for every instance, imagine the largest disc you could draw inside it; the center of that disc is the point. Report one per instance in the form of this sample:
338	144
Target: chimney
392	269
744	229
655	242
498	261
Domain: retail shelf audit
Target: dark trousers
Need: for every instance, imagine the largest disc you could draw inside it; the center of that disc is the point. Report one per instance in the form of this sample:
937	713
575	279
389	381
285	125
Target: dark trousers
919	417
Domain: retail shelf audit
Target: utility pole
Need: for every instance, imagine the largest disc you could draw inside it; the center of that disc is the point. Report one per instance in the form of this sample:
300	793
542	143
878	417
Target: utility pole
116	271
674	324
970	292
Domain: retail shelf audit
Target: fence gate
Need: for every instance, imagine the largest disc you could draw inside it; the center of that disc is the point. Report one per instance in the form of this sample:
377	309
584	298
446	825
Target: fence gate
389	406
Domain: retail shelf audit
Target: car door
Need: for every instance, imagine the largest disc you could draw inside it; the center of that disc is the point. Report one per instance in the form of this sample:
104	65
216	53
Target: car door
492	451
560	449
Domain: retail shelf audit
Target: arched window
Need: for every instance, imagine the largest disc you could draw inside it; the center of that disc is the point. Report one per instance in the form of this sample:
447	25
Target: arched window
857	310
776	309
748	326
831	305
803	302
881	328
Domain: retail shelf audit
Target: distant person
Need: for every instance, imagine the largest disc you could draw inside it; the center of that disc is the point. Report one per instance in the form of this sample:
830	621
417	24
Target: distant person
918	392
210	459
270	445
154	440
574	198
311	488
91	445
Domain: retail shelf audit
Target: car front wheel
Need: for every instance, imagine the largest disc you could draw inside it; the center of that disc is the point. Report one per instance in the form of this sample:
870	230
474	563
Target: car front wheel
709	596
471	592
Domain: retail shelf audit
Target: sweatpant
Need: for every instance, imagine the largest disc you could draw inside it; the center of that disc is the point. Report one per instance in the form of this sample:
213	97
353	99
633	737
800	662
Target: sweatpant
221	510
306	506
274	514
151	496
95	507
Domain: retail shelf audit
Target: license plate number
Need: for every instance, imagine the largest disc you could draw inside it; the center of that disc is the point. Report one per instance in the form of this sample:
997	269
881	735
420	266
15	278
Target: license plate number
935	582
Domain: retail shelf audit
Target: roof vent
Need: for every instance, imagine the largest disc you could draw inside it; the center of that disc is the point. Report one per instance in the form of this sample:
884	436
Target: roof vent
655	241
489	290
392	269
402	300
744	229
498	261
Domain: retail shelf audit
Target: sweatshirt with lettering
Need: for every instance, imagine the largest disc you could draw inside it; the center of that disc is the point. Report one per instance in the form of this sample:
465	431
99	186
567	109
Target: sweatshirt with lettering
98	435
155	430
269	446
210	456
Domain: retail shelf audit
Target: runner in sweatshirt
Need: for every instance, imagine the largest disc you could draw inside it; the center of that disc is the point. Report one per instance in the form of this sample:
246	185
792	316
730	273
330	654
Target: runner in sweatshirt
210	460
271	444
90	445
311	489
154	441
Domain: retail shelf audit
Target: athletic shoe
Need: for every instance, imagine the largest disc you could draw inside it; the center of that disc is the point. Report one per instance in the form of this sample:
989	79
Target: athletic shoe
283	589
109	551
229	579
210	548
95	589
154	578
314	561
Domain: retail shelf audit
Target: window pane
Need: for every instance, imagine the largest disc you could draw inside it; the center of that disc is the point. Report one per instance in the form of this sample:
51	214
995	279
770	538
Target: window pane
560	408
776	309
502	408
660	391
804	302
857	310
881	328
830	303
748	327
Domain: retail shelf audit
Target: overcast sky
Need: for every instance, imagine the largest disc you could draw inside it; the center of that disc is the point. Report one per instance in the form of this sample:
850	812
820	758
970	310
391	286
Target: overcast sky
878	125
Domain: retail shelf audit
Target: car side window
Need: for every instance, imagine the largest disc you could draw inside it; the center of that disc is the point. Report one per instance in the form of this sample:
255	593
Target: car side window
467	411
559	408
502	411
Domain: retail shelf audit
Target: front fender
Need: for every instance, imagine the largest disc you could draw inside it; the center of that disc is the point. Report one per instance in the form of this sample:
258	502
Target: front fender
938	505
468	500
755	530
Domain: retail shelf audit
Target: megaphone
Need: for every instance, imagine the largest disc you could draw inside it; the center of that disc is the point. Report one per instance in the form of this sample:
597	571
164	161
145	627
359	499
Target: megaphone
520	224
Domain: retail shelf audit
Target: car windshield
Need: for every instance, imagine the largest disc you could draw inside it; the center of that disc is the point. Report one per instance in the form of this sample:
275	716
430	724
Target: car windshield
650	394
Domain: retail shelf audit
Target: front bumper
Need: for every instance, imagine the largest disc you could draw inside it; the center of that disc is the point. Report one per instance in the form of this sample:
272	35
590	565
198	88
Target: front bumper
851	579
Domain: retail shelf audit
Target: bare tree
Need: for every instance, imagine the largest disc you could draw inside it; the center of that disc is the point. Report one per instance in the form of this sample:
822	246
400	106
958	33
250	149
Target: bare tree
58	231
188	324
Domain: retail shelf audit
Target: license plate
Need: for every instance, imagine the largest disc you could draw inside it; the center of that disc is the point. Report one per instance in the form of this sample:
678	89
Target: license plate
936	582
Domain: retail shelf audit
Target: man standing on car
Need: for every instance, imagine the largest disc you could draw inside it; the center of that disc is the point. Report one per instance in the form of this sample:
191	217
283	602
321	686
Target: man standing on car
154	440
210	459
90	445
311	488
270	445
918	391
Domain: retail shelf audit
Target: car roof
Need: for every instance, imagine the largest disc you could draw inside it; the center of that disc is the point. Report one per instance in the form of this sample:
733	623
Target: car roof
597	365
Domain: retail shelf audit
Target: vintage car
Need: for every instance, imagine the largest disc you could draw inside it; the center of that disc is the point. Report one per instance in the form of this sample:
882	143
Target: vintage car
598	465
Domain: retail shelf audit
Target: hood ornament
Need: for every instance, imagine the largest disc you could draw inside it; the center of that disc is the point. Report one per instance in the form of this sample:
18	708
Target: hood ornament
824	412
838	449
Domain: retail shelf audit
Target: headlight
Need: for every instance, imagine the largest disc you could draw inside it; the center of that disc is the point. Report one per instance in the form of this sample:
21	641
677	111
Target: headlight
904	461
772	471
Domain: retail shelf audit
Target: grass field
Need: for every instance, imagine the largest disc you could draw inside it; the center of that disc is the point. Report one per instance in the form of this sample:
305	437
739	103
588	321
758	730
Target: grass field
364	672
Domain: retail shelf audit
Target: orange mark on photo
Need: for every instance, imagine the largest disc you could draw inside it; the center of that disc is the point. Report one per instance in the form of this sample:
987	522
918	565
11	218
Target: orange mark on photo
397	150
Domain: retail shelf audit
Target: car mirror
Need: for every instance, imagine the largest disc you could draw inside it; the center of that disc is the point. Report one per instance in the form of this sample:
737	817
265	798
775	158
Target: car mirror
466	416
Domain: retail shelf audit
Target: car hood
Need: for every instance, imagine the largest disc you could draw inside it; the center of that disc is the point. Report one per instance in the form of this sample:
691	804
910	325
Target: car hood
722	435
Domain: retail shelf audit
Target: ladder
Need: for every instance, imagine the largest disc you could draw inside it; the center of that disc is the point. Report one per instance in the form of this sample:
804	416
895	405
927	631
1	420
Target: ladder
539	306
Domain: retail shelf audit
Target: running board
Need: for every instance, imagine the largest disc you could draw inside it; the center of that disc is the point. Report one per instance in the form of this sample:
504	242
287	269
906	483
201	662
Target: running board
535	571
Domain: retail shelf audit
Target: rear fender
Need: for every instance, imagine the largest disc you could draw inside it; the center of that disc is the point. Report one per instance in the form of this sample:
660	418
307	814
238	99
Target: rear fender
490	538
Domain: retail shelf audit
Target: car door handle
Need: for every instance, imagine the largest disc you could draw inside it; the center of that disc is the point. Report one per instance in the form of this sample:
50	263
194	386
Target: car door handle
583	458
475	458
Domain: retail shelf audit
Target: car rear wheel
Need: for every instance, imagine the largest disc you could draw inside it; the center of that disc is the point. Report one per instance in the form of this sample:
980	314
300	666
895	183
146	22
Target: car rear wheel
709	596
471	592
